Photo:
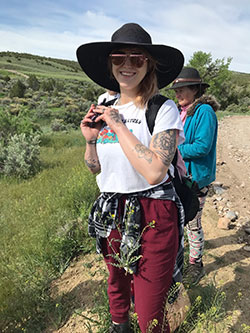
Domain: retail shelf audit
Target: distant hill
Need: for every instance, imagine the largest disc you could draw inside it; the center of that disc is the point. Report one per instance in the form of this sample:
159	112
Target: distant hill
241	78
27	64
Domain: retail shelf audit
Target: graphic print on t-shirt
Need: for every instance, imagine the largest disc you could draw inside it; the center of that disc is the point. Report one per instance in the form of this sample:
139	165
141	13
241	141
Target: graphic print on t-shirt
114	163
107	135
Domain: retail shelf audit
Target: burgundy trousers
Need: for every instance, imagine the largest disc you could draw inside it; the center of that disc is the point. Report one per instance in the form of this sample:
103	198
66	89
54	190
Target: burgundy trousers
153	279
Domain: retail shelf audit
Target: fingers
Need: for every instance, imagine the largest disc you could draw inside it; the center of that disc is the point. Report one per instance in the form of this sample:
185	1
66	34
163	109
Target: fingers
98	113
103	109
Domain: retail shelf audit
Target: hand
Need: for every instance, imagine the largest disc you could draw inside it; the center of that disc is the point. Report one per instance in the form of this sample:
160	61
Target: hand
109	115
90	132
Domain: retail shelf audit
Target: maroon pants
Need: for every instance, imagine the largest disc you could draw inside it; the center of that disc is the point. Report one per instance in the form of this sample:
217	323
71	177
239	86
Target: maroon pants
159	247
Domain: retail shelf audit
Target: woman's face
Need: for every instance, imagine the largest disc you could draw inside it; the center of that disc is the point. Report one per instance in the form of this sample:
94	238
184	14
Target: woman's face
185	95
131	71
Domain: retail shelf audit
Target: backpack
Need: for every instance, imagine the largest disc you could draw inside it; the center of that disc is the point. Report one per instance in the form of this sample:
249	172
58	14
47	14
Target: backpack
186	188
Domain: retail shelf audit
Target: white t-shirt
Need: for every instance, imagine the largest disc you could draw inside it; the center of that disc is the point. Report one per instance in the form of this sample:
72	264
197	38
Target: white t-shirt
117	174
107	97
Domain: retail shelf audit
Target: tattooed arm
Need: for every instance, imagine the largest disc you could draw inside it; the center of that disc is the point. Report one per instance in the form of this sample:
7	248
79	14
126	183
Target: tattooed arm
164	145
153	162
91	158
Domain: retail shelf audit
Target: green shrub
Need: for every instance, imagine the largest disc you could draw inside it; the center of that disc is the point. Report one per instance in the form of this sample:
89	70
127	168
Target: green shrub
239	108
7	78
18	89
58	125
72	115
48	85
84	106
91	92
33	82
43	113
21	156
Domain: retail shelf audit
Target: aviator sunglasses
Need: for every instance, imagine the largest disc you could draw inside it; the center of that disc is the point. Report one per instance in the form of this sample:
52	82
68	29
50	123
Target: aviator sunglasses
136	60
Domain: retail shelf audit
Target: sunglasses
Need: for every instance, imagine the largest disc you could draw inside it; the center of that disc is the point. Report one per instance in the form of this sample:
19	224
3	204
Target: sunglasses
136	60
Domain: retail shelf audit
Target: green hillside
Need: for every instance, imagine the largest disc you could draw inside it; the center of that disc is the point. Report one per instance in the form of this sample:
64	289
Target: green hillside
27	64
241	78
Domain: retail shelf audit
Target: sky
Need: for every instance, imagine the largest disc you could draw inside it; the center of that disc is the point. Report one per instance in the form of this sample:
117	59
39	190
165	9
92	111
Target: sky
55	28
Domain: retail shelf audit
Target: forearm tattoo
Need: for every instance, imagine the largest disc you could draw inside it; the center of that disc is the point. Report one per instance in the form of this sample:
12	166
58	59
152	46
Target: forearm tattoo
144	152
92	163
115	116
164	144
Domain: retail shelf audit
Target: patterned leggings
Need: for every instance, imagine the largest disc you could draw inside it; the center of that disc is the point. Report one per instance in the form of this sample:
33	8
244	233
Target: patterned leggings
195	235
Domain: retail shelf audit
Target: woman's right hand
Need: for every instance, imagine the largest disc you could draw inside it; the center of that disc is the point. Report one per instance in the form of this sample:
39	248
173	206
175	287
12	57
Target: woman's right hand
90	133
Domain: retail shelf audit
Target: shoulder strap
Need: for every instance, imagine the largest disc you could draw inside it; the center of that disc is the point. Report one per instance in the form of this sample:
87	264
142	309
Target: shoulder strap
154	105
111	102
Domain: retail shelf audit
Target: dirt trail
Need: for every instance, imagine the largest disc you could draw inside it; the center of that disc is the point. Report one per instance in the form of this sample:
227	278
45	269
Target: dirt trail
16	72
226	261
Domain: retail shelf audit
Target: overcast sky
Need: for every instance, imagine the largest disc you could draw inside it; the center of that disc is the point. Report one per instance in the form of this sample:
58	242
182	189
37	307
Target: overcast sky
55	28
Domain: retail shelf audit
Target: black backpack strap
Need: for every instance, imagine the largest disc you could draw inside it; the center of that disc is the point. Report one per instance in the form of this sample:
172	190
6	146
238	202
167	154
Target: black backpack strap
154	105
174	162
111	102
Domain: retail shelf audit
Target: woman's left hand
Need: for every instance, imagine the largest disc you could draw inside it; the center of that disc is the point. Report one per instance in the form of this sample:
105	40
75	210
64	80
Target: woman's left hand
110	115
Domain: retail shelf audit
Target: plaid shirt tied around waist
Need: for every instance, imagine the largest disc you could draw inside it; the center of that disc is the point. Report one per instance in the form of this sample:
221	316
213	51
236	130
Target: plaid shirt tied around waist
104	217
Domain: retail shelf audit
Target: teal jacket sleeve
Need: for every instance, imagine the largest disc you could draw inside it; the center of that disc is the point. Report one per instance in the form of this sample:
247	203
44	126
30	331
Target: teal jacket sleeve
199	133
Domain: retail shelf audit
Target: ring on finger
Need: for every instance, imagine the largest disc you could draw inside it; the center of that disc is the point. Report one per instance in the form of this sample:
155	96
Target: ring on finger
103	110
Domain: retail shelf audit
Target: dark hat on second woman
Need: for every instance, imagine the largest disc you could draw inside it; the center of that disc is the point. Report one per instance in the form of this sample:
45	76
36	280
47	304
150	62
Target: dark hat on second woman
93	57
189	76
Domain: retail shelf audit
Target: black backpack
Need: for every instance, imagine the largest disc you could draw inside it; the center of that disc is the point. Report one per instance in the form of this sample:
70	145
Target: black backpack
186	188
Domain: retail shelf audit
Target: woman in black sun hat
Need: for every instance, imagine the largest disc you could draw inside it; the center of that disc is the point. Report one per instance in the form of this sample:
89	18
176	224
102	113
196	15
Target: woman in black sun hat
137	216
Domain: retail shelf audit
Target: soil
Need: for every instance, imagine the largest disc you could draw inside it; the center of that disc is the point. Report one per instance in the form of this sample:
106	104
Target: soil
226	258
16	72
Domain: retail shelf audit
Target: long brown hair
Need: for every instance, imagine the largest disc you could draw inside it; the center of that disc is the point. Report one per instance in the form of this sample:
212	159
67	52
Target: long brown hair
148	86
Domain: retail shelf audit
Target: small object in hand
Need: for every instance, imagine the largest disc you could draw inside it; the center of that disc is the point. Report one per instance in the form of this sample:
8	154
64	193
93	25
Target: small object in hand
93	118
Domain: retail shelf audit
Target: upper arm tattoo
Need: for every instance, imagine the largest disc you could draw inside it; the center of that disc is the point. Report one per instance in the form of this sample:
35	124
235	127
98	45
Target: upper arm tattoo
164	145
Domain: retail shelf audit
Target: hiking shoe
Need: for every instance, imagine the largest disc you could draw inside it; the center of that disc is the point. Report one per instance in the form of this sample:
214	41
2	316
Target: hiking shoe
193	274
120	328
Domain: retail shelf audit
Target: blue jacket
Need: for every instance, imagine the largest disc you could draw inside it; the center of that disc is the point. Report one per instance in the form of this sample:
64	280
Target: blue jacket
199	148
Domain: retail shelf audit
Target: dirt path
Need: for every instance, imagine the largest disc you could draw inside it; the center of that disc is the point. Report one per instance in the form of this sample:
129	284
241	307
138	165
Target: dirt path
16	72
227	263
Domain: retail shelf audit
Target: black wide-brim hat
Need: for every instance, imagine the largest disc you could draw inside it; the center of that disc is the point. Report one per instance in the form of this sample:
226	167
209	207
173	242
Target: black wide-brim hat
93	57
188	76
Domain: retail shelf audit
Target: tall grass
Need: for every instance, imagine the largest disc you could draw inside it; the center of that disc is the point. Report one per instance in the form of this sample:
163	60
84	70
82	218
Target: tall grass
41	230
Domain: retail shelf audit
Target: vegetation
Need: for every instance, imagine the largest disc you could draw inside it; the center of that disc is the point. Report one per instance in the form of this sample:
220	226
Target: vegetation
46	191
43	225
232	90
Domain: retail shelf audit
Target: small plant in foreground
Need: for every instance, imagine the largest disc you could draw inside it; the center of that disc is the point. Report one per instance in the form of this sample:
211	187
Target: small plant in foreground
125	260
